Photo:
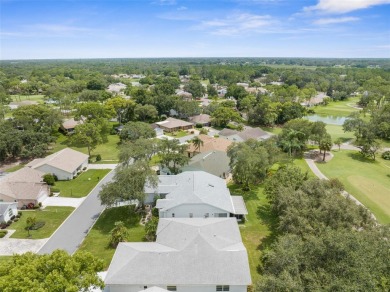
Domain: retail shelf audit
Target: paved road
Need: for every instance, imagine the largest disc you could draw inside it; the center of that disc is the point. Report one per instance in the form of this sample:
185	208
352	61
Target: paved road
72	232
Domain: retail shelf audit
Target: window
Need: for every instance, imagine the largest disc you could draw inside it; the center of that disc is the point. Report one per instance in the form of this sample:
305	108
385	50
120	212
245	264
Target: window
10	213
206	215
171	288
145	287
220	215
173	215
191	215
223	288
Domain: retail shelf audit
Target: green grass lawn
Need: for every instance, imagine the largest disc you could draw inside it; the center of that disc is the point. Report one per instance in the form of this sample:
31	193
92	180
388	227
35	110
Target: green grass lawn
98	238
108	151
273	130
52	216
337	108
17	98
301	163
177	134
336	132
256	232
81	185
367	180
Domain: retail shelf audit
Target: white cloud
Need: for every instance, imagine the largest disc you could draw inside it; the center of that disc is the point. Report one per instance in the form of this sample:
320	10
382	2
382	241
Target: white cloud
237	24
181	8
343	6
326	21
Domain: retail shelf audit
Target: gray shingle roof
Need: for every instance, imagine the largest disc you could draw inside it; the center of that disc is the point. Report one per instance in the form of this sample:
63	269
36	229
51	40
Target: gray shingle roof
174	123
188	251
214	162
193	187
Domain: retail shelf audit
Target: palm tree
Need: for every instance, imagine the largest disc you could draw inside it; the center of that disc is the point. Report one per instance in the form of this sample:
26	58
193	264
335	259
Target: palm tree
197	142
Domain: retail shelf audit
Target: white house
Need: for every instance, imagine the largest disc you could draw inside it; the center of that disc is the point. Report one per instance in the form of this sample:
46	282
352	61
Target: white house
195	194
24	186
7	211
189	255
65	164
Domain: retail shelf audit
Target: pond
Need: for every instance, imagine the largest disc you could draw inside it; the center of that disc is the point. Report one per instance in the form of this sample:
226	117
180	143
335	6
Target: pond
333	120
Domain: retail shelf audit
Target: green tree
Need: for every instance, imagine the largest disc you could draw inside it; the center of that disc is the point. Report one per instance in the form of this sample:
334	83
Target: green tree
145	112
57	271
118	234
88	135
140	149
172	154
151	229
197	142
195	88
325	144
49	179
30	222
128	183
123	108
338	142
135	130
223	115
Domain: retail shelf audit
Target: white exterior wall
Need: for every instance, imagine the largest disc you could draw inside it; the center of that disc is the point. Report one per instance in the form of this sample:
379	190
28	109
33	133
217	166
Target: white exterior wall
61	174
14	211
193	288
198	211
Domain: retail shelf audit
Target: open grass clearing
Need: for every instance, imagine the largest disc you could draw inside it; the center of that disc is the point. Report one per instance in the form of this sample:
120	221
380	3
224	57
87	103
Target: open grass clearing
177	134
256	231
38	97
52	216
336	131
97	240
81	185
338	108
108	151
367	180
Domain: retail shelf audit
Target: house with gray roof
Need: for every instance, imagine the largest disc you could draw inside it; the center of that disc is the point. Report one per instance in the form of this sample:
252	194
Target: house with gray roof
214	162
195	194
188	255
244	135
24	186
65	164
202	119
173	125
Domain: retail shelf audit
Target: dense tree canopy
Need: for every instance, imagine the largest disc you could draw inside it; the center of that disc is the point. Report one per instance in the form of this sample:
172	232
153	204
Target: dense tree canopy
51	272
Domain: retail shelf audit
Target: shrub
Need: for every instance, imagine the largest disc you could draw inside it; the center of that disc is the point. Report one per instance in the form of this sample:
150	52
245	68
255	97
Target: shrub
40	204
199	126
155	212
16	219
19	214
55	177
98	157
38	225
386	155
49	179
3	233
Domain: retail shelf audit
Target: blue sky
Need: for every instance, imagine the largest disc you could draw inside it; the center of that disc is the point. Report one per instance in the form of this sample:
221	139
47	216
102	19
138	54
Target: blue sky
194	28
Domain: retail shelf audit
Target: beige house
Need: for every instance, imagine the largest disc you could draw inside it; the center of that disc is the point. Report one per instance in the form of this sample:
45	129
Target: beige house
209	144
24	186
69	125
173	125
65	164
203	119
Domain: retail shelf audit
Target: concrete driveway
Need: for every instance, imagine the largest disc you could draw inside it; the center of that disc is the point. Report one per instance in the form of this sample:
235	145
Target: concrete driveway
62	202
10	246
74	229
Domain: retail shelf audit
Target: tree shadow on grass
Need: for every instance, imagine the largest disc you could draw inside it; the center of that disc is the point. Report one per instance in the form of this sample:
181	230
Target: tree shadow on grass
107	219
359	157
236	190
269	218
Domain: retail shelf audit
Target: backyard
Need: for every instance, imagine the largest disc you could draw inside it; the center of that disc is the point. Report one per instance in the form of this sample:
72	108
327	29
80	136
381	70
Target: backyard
256	232
108	151
52	216
365	179
81	185
98	238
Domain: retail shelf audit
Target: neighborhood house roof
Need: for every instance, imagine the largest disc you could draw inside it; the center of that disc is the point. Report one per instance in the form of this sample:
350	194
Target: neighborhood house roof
24	174
22	190
188	251
172	123
210	143
200	119
198	187
246	134
213	161
239	205
66	159
4	206
71	123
